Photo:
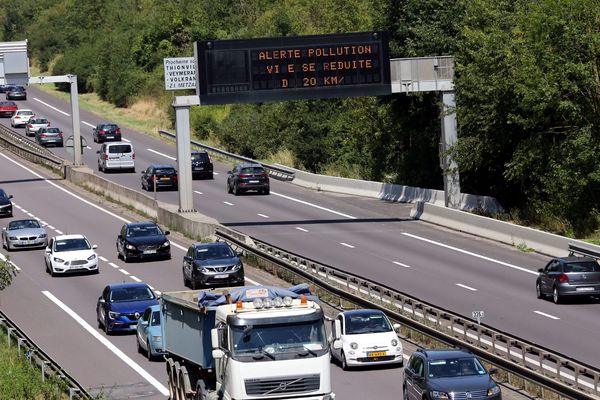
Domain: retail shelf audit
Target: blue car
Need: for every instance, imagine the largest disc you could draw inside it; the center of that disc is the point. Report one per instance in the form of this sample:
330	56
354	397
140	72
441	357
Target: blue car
149	335
122	304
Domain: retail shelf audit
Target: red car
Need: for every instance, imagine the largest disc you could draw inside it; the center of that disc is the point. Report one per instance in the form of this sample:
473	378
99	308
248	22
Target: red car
7	108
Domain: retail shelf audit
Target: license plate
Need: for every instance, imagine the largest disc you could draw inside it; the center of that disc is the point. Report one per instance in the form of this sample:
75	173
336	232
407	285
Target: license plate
222	276
373	354
110	137
253	181
149	251
584	289
165	179
198	168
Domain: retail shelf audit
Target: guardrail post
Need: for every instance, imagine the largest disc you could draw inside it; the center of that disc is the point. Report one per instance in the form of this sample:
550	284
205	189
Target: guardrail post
43	367
9	332
19	341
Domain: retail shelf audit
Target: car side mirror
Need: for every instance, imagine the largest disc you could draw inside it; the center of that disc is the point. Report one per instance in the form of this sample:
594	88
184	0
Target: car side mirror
94	247
97	151
229	172
10	196
541	270
101	300
47	250
337	344
141	321
338	330
396	327
167	233
119	236
493	371
240	253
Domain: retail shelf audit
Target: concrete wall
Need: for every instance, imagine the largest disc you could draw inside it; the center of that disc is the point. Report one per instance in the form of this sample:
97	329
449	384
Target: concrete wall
505	232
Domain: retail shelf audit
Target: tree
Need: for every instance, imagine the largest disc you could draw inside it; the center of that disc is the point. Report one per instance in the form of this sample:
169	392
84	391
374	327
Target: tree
7	272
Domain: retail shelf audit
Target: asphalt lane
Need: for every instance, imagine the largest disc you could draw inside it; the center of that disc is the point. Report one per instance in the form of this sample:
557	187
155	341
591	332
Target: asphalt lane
376	240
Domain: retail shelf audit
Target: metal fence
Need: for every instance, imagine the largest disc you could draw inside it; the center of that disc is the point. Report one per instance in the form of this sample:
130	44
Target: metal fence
34	355
547	368
275	171
29	149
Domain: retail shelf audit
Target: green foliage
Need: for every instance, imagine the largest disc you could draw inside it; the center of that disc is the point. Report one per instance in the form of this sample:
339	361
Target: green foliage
7	272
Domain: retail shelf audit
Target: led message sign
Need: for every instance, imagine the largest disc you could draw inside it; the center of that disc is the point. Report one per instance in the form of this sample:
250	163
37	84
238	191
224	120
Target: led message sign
290	68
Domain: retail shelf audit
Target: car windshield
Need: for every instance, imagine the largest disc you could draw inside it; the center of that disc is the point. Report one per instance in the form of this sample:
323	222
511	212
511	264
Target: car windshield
583	266
164	171
135	293
25	113
24	224
110	127
252	170
119	148
38	121
214	252
452	367
52	130
139	231
155	319
366	323
200	156
71	244
278	338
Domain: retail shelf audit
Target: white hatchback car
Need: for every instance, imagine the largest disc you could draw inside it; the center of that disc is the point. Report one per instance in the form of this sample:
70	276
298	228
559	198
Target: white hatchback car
365	337
21	117
70	253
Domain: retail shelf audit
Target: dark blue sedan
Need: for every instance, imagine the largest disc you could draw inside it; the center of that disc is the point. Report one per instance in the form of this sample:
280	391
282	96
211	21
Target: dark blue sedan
122	304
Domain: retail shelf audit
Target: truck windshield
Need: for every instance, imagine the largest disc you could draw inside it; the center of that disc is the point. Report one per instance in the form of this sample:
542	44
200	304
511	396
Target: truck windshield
304	337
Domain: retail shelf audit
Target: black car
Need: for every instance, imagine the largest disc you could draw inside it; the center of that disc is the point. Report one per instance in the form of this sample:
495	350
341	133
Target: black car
568	277
16	93
448	374
212	264
244	177
139	240
6	88
5	204
202	165
107	131
159	176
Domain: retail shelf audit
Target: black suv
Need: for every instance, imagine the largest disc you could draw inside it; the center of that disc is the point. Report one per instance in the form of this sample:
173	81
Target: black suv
107	131
244	177
202	165
448	374
139	240
212	264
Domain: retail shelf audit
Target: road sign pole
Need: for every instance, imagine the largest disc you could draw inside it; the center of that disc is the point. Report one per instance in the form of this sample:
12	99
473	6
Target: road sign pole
77	150
184	150
449	138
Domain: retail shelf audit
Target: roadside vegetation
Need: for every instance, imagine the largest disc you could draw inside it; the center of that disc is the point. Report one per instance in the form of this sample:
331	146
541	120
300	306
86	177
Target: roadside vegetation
527	82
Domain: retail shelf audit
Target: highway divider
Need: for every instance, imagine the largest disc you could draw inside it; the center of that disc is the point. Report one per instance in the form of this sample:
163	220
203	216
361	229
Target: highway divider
29	150
523	237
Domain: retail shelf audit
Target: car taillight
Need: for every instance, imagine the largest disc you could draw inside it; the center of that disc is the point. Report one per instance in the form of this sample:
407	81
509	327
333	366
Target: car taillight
264	174
106	157
30	126
42	135
133	156
562	278
118	131
60	134
245	175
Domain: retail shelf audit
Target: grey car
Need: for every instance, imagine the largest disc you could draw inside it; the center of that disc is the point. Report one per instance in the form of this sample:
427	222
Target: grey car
448	374
244	177
23	233
568	277
48	136
35	124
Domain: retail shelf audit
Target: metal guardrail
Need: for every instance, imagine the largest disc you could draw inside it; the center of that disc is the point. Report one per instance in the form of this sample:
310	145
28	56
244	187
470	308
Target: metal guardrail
275	171
28	149
551	370
581	250
35	355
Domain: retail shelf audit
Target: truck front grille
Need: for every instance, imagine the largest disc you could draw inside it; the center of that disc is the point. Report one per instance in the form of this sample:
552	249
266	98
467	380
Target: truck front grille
293	384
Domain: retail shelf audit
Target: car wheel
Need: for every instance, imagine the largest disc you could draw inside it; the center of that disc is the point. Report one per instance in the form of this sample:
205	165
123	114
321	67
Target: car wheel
266	191
52	273
106	330
125	258
236	191
404	393
229	190
8	247
193	283
139	346
186	283
149	351
344	362
556	296
538	290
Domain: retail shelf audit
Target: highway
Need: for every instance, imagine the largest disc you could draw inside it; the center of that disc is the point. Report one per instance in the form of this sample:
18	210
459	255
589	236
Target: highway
368	237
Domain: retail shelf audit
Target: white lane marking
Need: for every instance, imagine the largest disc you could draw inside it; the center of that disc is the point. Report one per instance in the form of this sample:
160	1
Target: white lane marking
30	214
51	227
302	229
113	265
135	278
313	205
3	258
347	245
470	253
228	203
124	272
88	124
400	264
52	107
59	231
88	147
18	206
466	287
215	173
546	315
143	373
195	191
252	281
180	247
263	215
125	140
24	210
103	258
161	154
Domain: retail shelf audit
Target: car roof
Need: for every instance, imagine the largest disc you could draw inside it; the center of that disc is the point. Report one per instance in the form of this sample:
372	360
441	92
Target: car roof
247	165
127	285
161	166
24	109
8	103
571	259
73	236
438	354
207	245
141	223
362	312
199	151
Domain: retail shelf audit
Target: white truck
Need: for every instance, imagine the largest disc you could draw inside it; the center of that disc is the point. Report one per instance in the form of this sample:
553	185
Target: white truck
254	342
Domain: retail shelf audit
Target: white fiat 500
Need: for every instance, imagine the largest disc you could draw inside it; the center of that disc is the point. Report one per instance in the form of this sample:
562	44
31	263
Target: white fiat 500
70	253
365	337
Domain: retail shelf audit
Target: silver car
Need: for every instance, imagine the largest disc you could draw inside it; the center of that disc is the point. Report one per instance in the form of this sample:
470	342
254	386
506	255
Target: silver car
23	233
35	124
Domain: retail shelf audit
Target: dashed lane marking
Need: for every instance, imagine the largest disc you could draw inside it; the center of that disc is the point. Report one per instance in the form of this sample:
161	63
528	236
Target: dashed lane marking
466	287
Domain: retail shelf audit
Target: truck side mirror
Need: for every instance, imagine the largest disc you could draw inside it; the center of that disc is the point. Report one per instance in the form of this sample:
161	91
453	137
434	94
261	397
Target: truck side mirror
214	339
217	353
338	331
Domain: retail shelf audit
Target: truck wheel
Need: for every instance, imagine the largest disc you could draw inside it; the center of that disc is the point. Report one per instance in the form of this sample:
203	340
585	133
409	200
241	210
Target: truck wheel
185	388
213	396
171	375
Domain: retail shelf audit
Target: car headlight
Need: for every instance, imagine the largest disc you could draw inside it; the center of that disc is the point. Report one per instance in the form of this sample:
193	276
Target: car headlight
166	244
113	315
156	338
494	390
130	247
353	346
237	266
92	257
12	237
394	342
43	235
439	395
59	260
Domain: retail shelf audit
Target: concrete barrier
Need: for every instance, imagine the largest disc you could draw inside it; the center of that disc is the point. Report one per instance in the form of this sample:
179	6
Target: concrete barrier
504	232
195	225
391	192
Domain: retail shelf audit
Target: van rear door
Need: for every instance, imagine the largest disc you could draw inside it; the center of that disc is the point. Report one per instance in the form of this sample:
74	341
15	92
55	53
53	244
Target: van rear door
121	155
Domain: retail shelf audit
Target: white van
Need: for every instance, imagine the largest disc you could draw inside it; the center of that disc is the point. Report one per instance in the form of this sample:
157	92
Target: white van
116	156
